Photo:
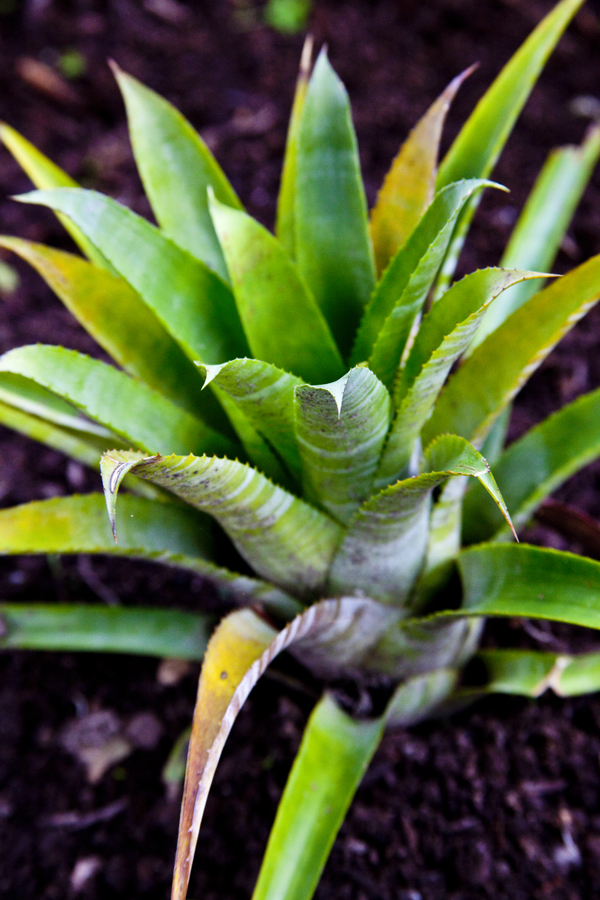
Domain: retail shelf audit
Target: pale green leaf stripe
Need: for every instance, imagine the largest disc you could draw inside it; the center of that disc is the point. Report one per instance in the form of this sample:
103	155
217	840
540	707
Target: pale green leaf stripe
333	245
532	582
281	319
284	539
129	408
190	300
134	337
340	429
333	756
168	633
543	223
151	530
384	548
85	448
480	141
537	464
47	175
176	168
445	333
491	376
265	394
404	286
285	228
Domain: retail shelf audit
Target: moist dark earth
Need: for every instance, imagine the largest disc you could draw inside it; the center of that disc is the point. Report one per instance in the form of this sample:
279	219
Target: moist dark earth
500	801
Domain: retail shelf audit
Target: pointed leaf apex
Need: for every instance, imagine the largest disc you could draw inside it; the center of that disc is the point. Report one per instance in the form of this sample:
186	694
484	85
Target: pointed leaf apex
306	58
336	389
114	466
210	371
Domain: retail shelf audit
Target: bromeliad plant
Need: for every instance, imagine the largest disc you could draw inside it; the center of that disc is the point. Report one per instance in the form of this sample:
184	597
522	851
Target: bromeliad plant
292	393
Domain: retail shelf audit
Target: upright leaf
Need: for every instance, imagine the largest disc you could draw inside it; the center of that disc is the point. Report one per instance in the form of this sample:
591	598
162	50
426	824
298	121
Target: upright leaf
281	537
543	223
280	317
536	465
285	228
333	756
340	430
176	168
384	547
445	333
333	246
403	289
490	378
481	140
47	175
265	394
190	300
127	407
113	313
409	186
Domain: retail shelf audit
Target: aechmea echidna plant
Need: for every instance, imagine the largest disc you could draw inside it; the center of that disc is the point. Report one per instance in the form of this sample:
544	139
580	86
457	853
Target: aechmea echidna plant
331	404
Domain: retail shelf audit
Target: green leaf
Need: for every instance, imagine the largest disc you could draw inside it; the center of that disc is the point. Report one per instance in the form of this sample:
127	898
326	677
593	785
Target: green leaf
280	317
529	582
47	175
265	394
536	465
418	697
333	245
445	333
176	168
403	289
285	226
543	223
150	632
284	539
129	408
384	548
340	430
409	186
151	530
481	139
190	300
490	378
86	448
333	756
133	337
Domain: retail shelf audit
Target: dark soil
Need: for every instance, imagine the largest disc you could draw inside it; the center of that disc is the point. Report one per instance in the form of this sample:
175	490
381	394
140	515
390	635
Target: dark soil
501	801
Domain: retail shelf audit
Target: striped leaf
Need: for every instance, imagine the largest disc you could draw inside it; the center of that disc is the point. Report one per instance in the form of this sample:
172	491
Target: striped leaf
284	539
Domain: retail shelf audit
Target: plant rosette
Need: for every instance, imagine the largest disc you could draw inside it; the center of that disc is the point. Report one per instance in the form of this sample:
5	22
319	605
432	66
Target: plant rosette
329	405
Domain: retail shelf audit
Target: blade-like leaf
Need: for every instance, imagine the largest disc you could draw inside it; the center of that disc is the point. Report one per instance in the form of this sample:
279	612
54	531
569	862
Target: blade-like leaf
384	548
111	311
536	465
529	582
285	226
281	319
129	408
237	655
47	175
190	300
333	756
491	377
340	430
543	223
176	168
151	632
281	537
409	185
333	245
481	140
445	333
403	289
265	394
417	698
160	532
